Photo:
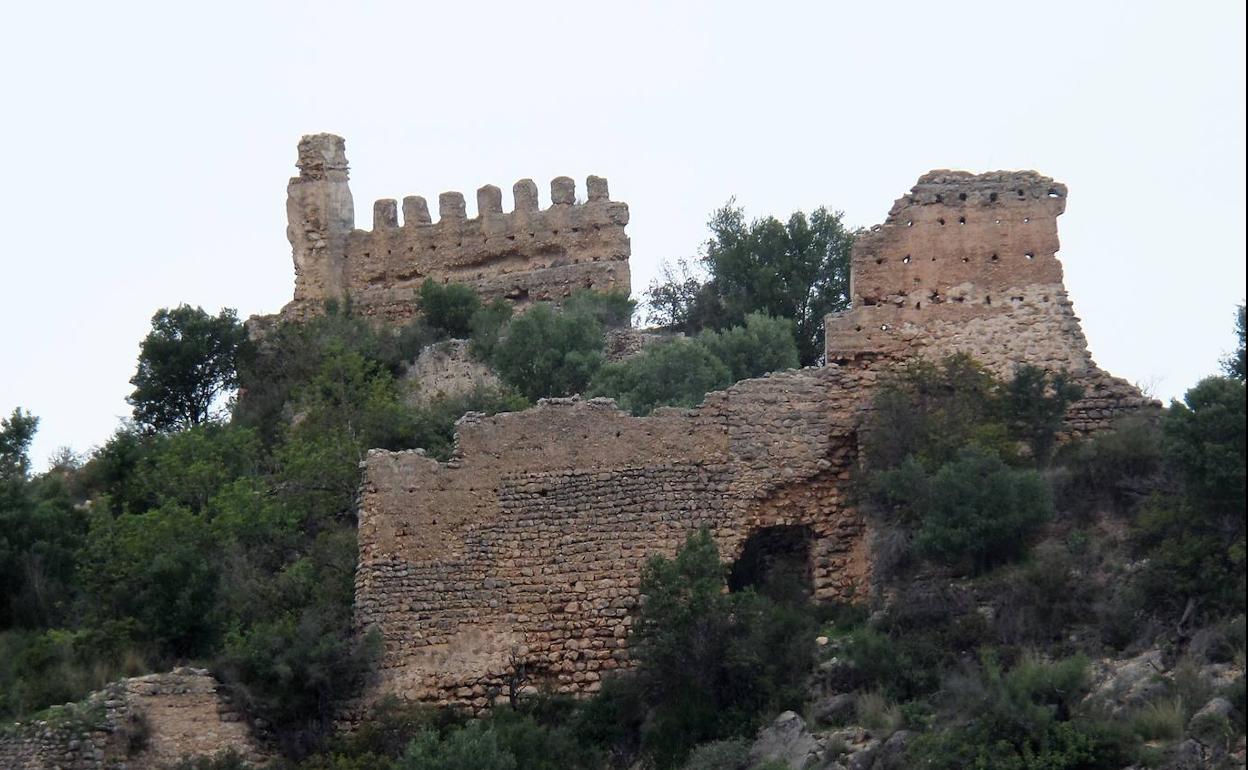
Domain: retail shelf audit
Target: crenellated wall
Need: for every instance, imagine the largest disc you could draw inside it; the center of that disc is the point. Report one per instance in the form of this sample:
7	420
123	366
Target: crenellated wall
968	263
524	255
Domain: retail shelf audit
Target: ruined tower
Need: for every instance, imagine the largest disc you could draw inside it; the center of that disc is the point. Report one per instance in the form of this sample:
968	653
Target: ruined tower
967	263
524	255
320	216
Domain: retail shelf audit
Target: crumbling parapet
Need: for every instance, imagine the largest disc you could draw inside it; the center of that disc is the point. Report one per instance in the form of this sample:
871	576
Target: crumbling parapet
143	723
968	263
524	255
527	547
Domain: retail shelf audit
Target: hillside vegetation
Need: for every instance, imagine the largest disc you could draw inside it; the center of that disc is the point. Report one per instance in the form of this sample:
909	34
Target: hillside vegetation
1014	571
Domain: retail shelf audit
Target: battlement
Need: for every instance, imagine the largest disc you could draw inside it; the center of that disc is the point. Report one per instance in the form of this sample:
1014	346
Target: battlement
524	255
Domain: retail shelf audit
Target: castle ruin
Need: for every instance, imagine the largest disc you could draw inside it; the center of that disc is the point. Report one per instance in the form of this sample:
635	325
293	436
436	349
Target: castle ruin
525	255
524	551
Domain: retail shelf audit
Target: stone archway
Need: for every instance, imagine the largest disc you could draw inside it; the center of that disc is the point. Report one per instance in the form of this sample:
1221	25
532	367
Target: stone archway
776	562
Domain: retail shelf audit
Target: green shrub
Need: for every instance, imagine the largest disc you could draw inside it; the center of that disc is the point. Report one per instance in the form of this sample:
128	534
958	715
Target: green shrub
543	352
876	713
932	411
486	326
1160	720
729	754
973	513
448	307
752	655
226	760
1111	466
1023	719
1034	404
763	344
674	373
434	424
611	309
472	747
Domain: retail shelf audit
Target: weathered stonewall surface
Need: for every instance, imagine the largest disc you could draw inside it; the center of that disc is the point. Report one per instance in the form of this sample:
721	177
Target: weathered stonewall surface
524	255
526	548
143	723
517	563
968	263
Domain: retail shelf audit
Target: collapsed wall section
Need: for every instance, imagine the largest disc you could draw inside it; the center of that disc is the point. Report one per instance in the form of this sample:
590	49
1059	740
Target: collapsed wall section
524	553
141	723
968	263
524	255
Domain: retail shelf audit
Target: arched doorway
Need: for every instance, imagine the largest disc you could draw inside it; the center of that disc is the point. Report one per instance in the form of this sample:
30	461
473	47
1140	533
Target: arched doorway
775	561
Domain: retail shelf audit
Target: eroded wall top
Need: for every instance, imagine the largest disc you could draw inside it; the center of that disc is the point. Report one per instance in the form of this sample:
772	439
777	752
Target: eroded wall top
523	255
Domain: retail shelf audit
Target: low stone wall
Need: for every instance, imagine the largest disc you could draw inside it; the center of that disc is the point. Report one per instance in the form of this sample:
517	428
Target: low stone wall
144	723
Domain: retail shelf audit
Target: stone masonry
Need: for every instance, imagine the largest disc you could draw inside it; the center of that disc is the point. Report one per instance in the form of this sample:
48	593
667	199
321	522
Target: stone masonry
518	562
144	723
968	263
524	255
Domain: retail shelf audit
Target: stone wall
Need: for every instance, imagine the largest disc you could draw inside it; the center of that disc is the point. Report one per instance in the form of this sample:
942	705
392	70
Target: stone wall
524	255
527	547
524	552
143	723
968	263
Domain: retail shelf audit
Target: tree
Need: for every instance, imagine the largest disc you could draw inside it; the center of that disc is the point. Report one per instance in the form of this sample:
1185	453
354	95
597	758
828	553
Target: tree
16	432
449	307
545	352
797	269
186	363
1234	363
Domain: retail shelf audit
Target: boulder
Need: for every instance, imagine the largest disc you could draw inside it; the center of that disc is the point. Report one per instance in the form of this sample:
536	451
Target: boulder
786	739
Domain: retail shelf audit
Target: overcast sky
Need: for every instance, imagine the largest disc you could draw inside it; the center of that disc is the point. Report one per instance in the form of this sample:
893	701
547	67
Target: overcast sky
147	147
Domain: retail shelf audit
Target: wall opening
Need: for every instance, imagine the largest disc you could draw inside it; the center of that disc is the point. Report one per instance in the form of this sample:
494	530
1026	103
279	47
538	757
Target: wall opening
775	562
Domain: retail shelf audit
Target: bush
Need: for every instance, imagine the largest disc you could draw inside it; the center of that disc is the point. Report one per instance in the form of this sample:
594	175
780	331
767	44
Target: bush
1111	467
973	513
448	308
473	747
931	411
1021	720
547	353
874	712
1160	720
674	373
611	309
486	326
764	344
434	424
751	655
730	754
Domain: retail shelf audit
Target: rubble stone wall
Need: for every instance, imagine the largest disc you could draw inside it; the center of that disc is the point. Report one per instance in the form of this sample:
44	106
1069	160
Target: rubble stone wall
524	255
143	723
523	553
527	547
968	263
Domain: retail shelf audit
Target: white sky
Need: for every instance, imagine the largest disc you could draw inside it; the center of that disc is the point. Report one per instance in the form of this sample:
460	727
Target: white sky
149	147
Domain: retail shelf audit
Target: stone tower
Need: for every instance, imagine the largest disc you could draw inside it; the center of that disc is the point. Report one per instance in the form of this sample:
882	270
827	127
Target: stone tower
320	216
